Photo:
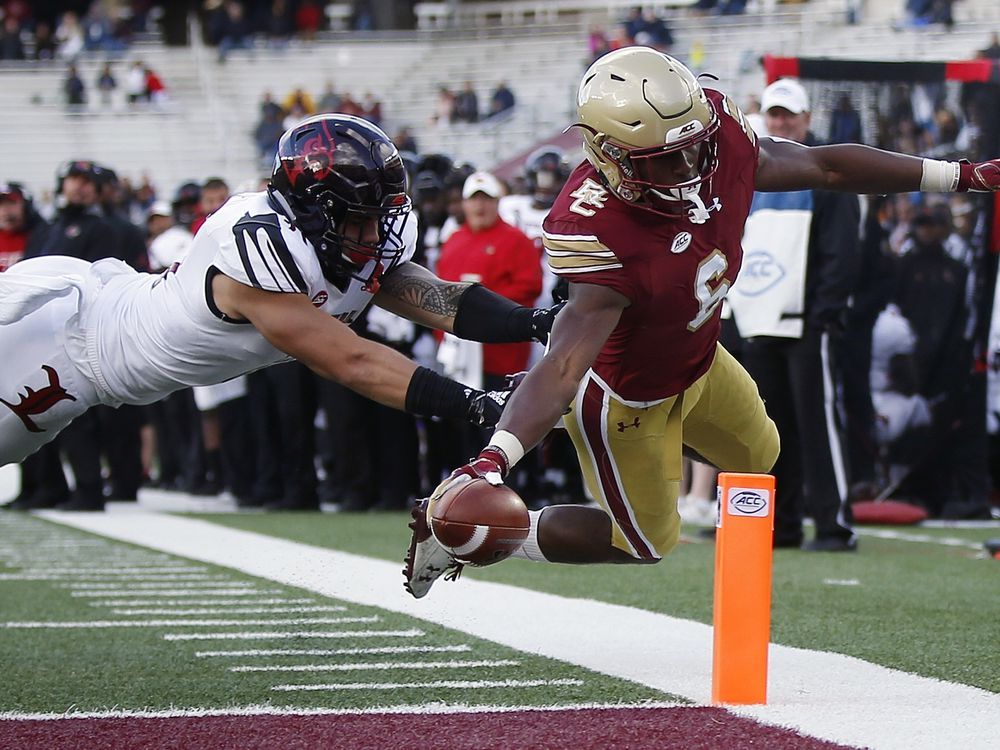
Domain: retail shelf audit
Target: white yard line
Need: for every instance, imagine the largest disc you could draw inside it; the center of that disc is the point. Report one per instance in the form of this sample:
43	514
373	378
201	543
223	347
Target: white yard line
453	684
172	611
192	602
365	666
85	624
827	695
178	592
464	648
290	635
906	536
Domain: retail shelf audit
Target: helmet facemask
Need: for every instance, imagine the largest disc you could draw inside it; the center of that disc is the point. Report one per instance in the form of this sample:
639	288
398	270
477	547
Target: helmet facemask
648	177
343	250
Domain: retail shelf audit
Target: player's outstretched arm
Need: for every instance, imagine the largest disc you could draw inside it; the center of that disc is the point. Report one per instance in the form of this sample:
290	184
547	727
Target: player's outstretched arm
785	165
470	311
543	395
332	350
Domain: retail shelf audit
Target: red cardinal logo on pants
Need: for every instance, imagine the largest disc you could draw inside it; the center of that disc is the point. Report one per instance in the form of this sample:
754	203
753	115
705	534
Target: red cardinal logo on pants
37	402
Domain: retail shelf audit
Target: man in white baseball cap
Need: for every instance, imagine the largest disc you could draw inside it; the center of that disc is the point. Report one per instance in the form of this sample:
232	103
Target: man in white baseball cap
785	105
482	182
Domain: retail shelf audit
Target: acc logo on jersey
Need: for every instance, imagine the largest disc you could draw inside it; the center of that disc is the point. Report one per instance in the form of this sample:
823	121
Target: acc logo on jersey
760	272
746	502
681	243
320	298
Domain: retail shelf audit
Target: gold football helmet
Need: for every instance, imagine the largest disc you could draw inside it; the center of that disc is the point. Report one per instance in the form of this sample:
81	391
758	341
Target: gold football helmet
648	128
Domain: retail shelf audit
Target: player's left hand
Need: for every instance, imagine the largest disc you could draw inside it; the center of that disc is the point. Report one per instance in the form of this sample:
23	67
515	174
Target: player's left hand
981	177
541	322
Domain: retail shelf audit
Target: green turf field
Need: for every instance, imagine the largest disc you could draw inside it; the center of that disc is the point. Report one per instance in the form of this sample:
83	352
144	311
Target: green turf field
925	608
920	606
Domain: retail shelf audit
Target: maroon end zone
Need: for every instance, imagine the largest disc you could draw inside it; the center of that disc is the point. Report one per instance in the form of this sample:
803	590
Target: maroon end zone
694	728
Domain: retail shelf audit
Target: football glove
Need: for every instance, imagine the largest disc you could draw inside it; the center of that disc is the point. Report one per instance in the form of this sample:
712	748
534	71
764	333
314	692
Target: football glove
542	319
982	177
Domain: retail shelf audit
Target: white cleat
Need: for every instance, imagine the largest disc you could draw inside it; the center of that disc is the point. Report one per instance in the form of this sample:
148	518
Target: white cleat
426	560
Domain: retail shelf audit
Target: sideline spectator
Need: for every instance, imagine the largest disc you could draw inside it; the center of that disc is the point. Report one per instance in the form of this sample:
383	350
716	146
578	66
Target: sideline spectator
792	333
405	141
74	89
267	133
845	122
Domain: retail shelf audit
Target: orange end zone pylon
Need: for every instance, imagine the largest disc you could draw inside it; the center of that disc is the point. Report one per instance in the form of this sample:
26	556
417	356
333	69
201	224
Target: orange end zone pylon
742	611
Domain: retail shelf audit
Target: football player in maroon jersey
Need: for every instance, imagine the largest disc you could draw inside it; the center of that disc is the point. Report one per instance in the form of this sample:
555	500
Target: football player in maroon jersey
648	233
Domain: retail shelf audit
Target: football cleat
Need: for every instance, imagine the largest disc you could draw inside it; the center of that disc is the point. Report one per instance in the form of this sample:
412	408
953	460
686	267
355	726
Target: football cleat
426	560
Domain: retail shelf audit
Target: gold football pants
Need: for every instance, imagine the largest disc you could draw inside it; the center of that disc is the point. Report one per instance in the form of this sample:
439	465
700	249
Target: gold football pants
631	453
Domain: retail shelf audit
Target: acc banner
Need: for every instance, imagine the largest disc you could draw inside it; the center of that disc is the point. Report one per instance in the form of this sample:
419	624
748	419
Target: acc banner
768	296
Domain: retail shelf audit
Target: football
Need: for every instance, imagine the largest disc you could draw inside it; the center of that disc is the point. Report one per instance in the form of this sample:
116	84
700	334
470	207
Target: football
479	523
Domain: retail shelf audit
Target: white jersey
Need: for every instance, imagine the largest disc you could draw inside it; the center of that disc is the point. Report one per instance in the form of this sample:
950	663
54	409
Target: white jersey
149	335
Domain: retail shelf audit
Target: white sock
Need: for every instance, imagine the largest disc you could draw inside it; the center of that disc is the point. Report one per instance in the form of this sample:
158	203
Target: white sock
530	550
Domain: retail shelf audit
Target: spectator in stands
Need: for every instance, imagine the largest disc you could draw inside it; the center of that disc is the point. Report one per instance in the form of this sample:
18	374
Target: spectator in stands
135	84
74	89
845	122
444	108
652	31
501	100
466	104
45	42
11	46
267	133
597	43
371	109
309	19
295	115
329	101
234	30
279	24
156	90
405	141
106	85
301	98
69	37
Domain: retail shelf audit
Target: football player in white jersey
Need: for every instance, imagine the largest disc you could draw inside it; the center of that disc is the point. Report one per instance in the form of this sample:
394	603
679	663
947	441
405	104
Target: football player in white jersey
271	276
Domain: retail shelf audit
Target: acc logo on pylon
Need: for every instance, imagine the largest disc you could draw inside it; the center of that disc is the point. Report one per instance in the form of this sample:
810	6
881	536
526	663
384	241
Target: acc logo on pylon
748	502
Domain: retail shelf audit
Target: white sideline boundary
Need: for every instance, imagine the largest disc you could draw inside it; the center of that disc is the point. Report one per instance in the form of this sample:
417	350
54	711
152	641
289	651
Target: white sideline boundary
831	696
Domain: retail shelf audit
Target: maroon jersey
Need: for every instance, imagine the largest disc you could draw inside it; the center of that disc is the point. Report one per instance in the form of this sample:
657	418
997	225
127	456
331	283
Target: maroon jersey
675	271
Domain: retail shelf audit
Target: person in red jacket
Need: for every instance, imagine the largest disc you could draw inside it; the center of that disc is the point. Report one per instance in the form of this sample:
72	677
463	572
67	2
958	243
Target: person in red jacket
491	252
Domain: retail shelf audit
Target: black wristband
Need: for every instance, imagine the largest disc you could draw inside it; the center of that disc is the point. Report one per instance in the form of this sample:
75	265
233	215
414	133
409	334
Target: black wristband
488	317
433	395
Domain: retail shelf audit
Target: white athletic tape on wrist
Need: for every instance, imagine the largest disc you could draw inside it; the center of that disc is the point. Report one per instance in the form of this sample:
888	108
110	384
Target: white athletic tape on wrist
939	176
530	549
509	445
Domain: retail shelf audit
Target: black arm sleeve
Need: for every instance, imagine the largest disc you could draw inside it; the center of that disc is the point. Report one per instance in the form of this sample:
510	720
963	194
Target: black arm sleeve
486	316
432	395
